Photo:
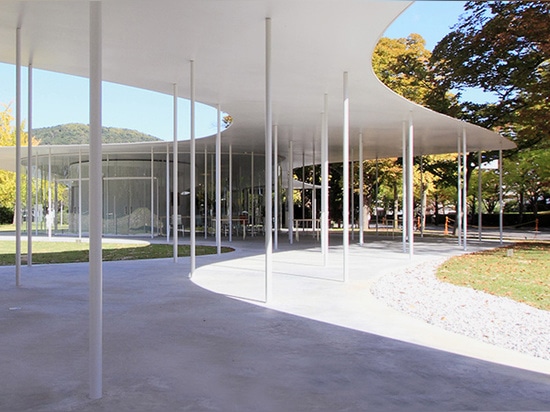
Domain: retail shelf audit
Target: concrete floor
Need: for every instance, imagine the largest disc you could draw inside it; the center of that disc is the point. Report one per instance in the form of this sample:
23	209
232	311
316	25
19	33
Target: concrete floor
210	344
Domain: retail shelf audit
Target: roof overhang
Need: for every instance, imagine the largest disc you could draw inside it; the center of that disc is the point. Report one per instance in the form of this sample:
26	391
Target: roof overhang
149	44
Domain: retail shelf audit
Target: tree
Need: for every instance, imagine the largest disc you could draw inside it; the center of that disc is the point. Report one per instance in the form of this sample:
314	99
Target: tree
7	138
504	49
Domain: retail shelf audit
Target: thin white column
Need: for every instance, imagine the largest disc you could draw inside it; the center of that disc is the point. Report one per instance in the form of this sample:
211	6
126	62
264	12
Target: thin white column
352	194
289	196
345	148
79	193
192	173
95	204
152	194
205	192
303	195
500	198
464	191
49	221
268	199
376	188
37	187
219	182
479	195
459	193
230	208
313	194
361	191
252	211
410	195
275	187
324	182
18	157
404	201
168	193
175	173
29	169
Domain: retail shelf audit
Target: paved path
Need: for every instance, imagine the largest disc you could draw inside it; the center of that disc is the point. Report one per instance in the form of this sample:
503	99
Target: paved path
209	343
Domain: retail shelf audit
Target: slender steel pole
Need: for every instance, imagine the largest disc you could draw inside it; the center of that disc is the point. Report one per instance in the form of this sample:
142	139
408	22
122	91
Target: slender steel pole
290	193
464	191
313	193
205	192
459	194
49	220
352	194
303	194
361	192
175	175
193	172
230	208
345	208
479	199
219	182
18	157
276	187
95	204
324	182
268	191
29	168
79	193
500	198
404	206
168	193
152	195
410	193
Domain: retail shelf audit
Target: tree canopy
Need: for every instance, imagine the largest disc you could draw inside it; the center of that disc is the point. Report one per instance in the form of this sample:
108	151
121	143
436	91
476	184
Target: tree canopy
502	48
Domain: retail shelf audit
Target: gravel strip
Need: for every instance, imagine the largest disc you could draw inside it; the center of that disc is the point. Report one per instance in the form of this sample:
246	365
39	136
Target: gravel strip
496	320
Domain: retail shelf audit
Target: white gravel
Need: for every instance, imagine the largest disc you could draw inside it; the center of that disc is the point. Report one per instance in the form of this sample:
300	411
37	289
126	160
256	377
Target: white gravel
496	320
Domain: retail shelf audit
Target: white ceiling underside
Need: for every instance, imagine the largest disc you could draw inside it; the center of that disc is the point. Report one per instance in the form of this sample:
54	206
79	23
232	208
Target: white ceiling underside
149	44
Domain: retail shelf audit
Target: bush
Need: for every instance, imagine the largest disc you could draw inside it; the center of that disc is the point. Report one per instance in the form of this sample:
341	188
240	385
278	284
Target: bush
6	215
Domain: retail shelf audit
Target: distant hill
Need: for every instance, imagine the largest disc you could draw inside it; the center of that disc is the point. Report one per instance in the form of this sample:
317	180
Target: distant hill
77	133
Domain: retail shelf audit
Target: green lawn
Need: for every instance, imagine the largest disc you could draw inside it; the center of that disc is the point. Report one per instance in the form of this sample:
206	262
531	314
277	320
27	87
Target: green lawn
520	272
65	252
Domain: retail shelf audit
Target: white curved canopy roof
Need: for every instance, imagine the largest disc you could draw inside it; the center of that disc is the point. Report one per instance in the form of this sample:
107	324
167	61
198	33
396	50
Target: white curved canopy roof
149	44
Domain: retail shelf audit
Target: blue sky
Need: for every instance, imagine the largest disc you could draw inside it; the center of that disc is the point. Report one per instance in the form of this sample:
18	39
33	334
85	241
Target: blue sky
60	99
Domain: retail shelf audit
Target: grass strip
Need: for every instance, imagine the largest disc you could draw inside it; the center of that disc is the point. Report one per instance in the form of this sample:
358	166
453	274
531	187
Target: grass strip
519	272
71	252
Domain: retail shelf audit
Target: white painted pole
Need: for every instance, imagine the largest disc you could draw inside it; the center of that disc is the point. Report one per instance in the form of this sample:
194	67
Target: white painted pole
352	194
219	183
410	193
230	208
459	194
175	173
193	177
345	208
313	194
268	191
479	195
276	187
29	169
168	193
376	195
36	191
500	198
361	192
464	191
152	194
18	157
205	192
303	194
252	210
404	201
290	193
95	204
324	182
79	194
50	212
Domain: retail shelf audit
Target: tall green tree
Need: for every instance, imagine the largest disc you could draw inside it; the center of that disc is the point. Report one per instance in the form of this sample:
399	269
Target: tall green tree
504	49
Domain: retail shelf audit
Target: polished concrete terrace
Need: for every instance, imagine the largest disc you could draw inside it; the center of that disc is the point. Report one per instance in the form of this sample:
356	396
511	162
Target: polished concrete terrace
211	344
